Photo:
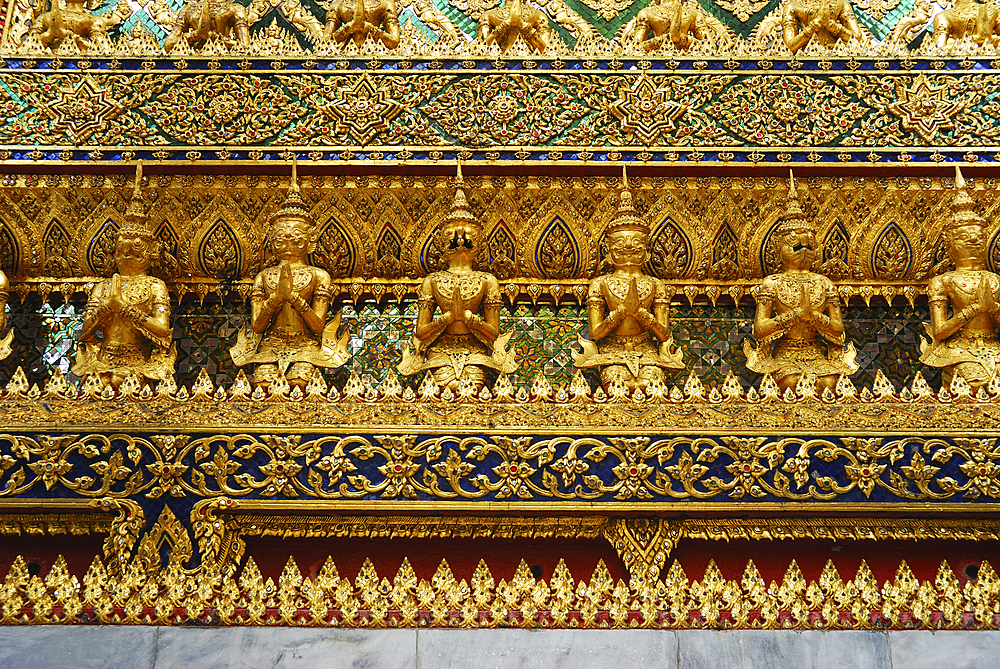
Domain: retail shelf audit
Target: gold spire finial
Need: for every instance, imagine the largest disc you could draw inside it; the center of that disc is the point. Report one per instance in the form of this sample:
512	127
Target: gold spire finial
626	195
793	216
294	205
138	179
460	212
627	217
136	222
963	207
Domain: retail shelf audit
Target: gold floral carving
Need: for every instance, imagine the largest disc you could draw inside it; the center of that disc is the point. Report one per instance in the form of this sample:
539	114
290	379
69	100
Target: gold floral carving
836	112
81	109
224	109
71	109
445	468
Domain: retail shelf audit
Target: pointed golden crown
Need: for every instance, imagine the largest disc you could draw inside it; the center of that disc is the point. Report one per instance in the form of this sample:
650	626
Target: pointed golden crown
963	207
627	218
136	221
460	212
294	205
793	216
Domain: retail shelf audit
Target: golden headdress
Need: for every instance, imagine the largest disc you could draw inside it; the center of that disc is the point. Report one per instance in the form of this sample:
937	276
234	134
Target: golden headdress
963	207
627	218
793	217
136	221
294	205
460	212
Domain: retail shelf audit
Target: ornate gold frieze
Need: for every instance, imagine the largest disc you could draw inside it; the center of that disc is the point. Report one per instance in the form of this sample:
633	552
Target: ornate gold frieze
27	524
172	596
711	236
743	116
536	407
645	543
617	464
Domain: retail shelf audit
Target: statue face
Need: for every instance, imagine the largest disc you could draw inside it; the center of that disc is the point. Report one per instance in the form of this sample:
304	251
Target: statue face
459	238
133	253
291	238
797	248
967	244
627	248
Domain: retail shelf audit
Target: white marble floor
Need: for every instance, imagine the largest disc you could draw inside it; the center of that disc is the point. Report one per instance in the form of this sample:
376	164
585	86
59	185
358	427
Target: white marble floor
94	647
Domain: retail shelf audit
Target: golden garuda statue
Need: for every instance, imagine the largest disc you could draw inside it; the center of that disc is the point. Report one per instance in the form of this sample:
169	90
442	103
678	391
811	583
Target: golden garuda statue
358	20
798	323
131	309
966	342
825	21
514	18
288	331
198	22
628	310
460	344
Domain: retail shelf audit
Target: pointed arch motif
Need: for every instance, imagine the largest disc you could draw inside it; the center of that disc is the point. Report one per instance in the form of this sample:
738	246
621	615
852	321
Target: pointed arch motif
993	256
388	253
670	251
499	255
836	243
101	250
836	246
770	262
557	253
167	267
725	254
219	253
56	244
10	251
892	256
167	238
430	254
335	251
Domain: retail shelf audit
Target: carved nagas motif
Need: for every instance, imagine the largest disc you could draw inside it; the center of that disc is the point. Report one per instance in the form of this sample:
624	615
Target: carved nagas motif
805	22
515	18
678	22
967	19
360	20
220	19
75	23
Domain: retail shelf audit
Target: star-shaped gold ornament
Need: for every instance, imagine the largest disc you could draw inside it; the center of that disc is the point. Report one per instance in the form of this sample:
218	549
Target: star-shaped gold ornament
82	109
926	109
646	111
361	111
